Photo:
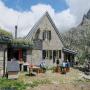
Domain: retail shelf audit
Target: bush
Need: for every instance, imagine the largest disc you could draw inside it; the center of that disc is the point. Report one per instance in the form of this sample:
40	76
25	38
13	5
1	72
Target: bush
5	33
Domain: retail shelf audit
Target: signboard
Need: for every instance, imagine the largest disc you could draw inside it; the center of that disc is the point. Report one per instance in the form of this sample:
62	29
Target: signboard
2	47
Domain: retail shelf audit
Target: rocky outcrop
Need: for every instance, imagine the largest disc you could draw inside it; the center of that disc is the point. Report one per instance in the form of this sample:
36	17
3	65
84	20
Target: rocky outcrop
79	38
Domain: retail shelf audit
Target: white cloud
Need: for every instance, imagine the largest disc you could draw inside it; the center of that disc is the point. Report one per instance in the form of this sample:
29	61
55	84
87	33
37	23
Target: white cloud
64	20
78	8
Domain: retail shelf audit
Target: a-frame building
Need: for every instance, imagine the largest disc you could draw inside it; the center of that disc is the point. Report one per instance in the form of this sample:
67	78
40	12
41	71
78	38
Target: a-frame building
47	42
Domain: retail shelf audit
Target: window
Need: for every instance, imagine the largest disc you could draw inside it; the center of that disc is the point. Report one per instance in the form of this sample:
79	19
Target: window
44	54
59	53
47	35
37	34
50	54
54	55
47	54
44	35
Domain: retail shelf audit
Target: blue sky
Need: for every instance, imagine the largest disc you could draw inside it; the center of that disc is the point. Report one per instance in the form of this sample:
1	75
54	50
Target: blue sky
25	5
65	13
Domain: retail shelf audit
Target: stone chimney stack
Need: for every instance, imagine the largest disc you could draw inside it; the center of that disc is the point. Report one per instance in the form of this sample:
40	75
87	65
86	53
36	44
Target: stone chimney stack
16	31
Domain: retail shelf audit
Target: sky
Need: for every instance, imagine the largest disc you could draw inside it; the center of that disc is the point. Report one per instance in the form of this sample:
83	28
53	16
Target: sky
25	13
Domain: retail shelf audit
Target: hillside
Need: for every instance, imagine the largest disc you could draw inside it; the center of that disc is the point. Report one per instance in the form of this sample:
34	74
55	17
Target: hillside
79	38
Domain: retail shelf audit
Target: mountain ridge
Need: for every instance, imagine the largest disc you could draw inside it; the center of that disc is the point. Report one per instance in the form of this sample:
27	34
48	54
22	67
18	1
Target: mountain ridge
78	38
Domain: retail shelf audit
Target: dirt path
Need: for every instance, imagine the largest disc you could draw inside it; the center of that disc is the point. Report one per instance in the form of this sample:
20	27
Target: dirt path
73	80
81	86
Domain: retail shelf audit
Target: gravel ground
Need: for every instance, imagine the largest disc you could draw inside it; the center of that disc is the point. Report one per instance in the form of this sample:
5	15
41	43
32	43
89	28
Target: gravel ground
83	86
73	80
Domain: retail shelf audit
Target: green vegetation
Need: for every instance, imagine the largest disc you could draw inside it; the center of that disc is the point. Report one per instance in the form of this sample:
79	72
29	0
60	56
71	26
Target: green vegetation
21	43
82	56
27	82
18	85
5	33
79	39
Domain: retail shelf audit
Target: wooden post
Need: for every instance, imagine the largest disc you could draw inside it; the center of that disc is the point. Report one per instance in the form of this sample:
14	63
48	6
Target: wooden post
20	55
4	65
20	58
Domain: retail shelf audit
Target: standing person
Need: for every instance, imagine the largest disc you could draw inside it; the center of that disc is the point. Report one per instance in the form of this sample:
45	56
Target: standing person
57	67
57	62
64	64
67	65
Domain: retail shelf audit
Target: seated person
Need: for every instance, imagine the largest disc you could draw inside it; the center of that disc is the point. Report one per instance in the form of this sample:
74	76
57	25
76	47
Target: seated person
63	68
43	66
64	64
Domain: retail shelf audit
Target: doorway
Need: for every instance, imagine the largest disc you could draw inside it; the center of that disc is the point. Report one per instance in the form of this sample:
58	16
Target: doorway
54	55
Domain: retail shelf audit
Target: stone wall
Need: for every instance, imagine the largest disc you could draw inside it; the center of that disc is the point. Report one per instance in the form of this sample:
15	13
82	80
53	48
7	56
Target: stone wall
53	44
35	57
2	47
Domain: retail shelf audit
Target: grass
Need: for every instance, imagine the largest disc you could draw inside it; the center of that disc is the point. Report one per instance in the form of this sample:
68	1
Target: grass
6	83
73	77
35	83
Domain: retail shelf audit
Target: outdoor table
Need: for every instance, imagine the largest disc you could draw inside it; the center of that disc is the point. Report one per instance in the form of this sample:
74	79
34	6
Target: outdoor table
34	68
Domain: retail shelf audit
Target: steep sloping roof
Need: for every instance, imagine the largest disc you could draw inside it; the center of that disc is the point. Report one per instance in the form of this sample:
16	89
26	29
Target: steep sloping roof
35	27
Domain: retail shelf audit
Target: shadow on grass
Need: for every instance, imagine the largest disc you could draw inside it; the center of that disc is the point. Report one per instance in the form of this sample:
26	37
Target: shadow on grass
31	74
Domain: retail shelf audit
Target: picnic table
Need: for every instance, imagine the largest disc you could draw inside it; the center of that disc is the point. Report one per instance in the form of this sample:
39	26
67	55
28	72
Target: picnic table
35	69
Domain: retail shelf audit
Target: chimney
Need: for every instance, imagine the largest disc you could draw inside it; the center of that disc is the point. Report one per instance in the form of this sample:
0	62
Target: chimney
16	31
